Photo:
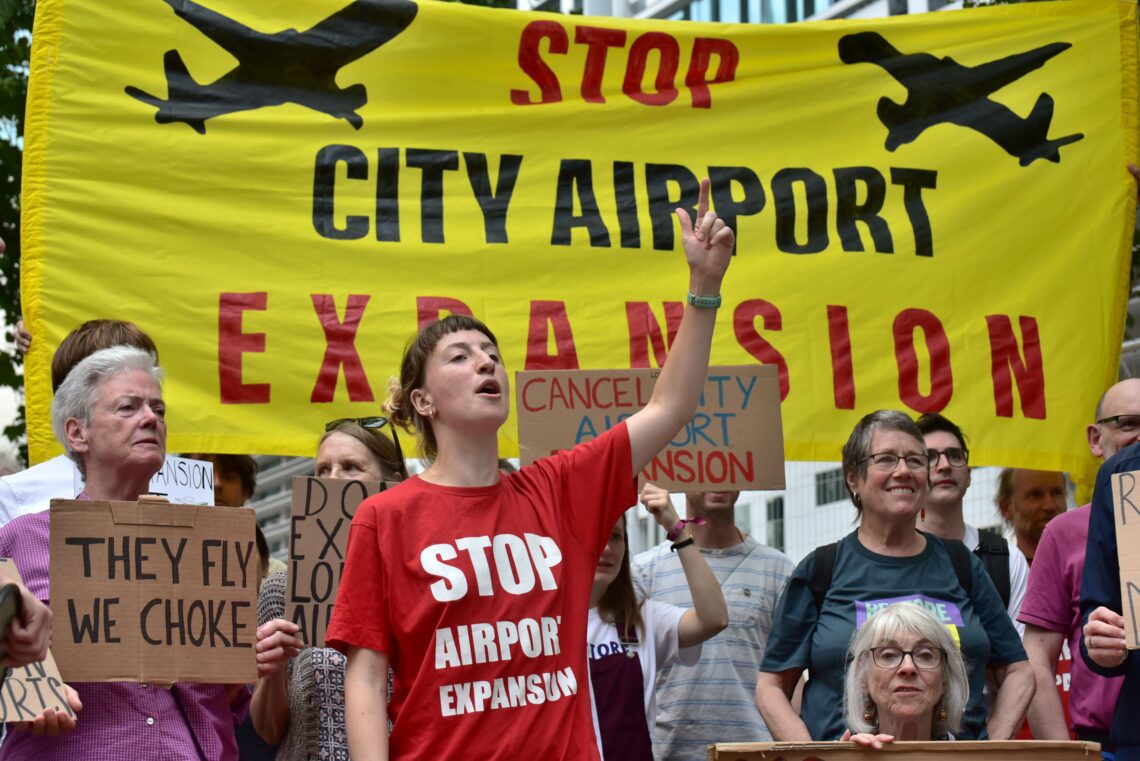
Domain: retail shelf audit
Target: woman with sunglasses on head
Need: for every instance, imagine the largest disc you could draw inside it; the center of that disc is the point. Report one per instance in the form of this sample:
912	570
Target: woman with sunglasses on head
474	586
837	588
631	639
299	699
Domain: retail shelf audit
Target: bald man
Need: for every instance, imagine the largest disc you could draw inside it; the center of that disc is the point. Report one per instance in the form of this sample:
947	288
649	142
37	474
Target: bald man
1051	610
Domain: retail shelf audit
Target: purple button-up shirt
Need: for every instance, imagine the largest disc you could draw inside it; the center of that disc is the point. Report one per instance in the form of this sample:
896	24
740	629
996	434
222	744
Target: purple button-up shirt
121	721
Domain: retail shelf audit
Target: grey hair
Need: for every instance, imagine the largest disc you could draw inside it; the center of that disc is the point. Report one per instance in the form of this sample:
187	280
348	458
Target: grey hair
858	446
904	617
76	394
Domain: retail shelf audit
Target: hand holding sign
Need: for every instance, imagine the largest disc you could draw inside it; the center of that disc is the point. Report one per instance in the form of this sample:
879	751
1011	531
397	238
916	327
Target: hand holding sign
52	722
277	642
26	640
1104	637
867	740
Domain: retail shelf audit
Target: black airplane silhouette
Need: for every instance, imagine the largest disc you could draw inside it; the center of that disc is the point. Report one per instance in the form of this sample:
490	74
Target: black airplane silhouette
942	90
273	69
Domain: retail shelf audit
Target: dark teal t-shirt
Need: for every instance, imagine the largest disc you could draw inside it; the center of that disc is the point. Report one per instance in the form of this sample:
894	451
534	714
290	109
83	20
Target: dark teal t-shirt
864	582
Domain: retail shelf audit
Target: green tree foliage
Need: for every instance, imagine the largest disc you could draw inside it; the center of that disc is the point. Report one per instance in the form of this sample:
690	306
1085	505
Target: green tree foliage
15	51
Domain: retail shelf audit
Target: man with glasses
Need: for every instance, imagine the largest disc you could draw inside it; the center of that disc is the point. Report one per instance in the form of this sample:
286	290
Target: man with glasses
943	514
1082	701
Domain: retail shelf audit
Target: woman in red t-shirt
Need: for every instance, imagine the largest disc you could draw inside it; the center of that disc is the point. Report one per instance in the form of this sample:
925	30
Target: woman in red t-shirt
474	586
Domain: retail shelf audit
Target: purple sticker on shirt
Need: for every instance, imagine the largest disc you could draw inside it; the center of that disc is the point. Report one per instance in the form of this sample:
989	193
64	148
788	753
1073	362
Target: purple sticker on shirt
944	612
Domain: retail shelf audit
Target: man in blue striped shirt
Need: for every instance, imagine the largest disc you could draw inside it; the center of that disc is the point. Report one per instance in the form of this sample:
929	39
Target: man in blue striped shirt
714	701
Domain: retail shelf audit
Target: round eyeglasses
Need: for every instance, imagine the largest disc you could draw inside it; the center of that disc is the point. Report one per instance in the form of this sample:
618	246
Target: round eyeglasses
955	456
890	461
923	657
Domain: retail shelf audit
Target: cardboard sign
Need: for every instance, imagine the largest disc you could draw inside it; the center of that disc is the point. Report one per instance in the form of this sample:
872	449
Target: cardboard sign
31	689
734	441
181	480
185	481
1126	510
318	538
154	592
1025	750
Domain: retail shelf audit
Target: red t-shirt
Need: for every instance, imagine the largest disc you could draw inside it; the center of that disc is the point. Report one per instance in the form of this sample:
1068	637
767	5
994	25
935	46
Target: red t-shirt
479	596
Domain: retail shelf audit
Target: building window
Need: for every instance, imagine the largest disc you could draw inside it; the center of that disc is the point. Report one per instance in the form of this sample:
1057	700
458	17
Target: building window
776	523
829	487
743	517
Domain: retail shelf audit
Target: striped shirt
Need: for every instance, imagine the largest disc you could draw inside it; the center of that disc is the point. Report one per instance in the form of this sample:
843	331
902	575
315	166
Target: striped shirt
714	701
121	721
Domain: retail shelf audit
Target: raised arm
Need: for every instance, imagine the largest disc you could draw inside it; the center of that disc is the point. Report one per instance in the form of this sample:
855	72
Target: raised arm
366	704
709	615
708	250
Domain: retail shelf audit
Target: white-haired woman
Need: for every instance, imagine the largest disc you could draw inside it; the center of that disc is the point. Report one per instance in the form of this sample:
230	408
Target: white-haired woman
906	679
110	417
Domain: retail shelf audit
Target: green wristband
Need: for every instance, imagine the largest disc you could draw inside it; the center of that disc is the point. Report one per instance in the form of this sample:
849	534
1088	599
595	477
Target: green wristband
704	302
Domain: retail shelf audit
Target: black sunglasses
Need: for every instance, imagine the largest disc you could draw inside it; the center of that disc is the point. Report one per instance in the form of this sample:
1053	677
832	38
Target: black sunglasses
371	423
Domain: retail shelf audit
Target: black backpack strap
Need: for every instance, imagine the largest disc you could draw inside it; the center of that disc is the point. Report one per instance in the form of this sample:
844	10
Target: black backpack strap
822	569
993	551
960	559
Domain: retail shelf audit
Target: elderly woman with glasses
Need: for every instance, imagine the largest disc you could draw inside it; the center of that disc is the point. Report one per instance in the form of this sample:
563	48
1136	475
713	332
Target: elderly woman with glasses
110	416
905	679
838	588
299	699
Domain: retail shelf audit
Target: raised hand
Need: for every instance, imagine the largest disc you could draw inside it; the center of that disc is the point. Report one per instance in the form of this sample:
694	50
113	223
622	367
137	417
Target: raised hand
708	245
658	504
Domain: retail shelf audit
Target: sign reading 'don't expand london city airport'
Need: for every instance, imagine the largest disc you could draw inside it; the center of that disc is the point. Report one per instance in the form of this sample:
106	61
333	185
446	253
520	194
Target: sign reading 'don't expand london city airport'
322	513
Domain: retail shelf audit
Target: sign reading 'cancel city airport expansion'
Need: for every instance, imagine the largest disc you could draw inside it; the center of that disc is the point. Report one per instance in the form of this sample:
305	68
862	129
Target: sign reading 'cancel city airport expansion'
734	441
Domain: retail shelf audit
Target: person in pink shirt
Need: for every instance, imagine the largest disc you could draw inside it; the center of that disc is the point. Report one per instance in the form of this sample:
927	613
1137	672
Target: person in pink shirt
110	416
1051	609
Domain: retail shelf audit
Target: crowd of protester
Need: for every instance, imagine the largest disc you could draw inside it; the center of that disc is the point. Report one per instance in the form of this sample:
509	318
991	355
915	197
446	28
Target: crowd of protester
556	643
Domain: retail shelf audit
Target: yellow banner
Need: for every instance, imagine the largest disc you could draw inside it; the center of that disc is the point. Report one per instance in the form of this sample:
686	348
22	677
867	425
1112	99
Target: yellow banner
932	212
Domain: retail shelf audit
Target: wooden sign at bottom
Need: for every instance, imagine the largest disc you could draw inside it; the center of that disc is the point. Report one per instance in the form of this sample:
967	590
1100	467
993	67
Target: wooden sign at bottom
1020	750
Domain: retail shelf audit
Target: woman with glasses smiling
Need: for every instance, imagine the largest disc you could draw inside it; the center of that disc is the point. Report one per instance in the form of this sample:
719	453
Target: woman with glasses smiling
905	679
838	588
